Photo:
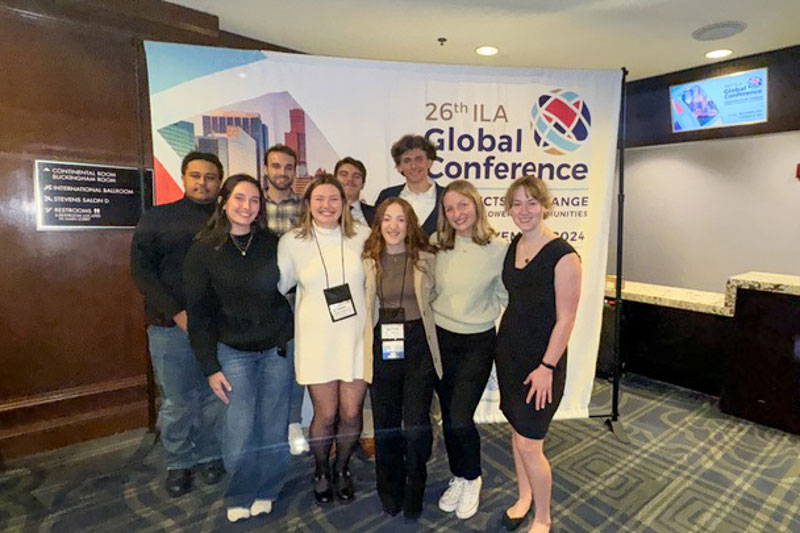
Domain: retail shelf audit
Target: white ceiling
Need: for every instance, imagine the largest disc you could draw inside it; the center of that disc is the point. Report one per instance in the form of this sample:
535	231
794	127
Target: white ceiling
649	37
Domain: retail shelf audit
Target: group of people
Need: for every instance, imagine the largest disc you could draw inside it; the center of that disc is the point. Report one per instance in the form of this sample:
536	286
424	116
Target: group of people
253	294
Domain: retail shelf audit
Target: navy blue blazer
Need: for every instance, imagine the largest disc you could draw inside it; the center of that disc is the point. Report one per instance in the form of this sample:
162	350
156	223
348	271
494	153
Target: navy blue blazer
429	226
369	211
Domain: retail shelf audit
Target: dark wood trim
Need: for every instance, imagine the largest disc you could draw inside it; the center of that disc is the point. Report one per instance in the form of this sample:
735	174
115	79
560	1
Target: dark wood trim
93	389
83	426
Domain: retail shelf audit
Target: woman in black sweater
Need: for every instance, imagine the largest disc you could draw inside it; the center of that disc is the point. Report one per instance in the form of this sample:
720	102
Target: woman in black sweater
240	327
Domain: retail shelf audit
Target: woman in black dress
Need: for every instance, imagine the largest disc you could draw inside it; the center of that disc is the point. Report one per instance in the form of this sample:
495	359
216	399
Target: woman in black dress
542	274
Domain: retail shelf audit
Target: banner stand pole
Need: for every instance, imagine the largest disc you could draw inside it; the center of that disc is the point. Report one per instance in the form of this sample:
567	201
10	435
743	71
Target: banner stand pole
612	420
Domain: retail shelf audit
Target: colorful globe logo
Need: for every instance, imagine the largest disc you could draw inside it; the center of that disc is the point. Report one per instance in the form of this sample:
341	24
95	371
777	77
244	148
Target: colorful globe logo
560	122
754	82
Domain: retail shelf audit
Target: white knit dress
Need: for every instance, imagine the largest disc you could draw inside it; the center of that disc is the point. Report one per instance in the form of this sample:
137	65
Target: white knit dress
324	350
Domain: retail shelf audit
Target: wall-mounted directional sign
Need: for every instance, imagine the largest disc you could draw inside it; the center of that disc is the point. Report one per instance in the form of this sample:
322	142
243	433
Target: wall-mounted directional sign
82	196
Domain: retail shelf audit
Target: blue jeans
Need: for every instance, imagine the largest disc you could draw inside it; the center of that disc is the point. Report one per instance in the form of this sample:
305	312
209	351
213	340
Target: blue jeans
190	414
254	446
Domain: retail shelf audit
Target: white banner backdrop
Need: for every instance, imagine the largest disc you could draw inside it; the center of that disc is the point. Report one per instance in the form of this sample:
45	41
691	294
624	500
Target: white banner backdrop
490	126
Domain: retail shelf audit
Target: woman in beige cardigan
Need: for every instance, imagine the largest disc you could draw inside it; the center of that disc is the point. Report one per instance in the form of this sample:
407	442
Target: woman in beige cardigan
399	269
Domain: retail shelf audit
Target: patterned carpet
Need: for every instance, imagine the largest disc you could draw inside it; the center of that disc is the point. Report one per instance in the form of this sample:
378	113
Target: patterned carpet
688	468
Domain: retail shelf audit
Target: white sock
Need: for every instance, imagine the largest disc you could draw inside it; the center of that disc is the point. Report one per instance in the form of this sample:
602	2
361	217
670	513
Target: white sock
261	507
238	513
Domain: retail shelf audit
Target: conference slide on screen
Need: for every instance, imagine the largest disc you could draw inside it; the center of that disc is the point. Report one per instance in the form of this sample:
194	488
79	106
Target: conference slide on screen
730	100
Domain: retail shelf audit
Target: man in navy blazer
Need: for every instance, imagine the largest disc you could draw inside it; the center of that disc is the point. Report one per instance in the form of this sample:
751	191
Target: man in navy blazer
413	156
352	174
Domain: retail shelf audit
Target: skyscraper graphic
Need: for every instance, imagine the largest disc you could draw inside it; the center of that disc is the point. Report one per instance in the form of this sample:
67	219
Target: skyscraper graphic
295	138
217	146
217	123
241	151
180	137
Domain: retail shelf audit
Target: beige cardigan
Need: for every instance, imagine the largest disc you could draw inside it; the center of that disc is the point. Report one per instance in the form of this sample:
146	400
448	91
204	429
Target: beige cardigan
424	290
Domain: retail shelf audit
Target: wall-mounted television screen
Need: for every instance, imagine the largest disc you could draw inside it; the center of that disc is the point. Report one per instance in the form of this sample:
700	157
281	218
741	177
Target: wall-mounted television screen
720	102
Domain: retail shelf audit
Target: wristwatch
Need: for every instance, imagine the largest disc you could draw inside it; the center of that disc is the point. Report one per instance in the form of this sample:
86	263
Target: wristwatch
548	365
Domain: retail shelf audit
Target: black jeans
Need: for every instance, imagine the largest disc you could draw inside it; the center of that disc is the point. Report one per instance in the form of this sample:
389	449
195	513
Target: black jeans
401	394
466	364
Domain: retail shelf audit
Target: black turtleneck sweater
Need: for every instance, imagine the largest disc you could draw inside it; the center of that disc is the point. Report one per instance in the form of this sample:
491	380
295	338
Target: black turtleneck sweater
233	298
160	242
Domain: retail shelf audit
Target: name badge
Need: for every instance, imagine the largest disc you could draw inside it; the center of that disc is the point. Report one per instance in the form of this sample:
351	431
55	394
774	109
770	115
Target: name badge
340	302
392	321
392	350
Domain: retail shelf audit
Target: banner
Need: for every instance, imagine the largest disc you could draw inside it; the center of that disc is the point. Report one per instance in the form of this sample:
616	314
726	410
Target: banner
490	126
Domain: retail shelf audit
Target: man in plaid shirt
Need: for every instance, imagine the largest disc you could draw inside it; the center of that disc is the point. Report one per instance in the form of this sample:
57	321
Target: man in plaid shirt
283	210
283	205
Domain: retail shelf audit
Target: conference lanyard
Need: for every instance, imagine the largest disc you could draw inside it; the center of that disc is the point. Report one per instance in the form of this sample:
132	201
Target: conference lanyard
392	322
338	298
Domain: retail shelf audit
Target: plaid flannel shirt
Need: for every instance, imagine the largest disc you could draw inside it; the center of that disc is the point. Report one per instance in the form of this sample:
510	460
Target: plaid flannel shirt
283	216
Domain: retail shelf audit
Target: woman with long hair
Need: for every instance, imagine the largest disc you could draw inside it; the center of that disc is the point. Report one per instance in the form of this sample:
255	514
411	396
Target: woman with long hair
240	328
542	273
322	258
470	294
399	266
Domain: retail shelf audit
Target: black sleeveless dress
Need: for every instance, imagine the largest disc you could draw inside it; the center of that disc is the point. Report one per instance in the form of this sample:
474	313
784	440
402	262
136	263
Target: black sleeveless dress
524	334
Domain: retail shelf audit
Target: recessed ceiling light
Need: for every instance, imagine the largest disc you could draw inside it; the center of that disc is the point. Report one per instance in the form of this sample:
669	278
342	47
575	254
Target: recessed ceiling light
718	30
486	50
716	54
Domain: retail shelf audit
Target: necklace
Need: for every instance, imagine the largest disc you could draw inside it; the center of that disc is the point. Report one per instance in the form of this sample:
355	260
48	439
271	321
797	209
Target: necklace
242	250
534	246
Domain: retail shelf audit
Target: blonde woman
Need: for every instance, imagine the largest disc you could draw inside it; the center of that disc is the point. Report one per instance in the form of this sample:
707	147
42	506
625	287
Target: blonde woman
470	295
322	258
542	274
399	265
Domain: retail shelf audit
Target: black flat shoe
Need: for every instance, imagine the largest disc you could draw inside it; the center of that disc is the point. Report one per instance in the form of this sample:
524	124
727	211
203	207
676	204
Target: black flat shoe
391	510
179	481
512	524
323	491
211	472
411	515
343	484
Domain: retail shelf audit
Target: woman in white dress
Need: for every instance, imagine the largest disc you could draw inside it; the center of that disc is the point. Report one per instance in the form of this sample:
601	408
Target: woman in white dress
322	257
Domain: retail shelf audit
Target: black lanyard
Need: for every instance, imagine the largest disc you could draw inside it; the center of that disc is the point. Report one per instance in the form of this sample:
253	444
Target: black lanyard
321	258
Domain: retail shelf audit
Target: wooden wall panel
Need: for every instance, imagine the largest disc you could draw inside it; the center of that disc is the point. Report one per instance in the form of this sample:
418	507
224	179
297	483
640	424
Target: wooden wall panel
73	346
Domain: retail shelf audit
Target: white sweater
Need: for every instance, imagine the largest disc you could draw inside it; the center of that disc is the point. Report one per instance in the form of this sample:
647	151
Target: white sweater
469	288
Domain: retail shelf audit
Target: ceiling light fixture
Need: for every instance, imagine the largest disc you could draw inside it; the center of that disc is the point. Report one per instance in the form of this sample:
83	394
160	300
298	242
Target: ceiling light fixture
486	50
717	54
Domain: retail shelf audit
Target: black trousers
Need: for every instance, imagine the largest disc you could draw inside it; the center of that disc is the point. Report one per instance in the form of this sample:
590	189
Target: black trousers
466	364
401	394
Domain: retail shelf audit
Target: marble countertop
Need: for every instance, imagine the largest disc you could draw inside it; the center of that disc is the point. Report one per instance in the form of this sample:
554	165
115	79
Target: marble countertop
688	299
761	281
714	303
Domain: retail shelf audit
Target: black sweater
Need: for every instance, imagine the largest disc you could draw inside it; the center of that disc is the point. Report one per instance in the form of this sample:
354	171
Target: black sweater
234	299
162	238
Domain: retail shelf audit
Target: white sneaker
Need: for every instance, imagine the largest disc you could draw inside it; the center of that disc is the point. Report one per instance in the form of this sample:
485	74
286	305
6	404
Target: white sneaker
261	507
470	498
238	513
297	441
449	500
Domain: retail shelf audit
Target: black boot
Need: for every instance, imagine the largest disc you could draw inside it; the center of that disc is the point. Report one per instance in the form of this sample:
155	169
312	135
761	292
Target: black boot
343	484
179	481
323	489
211	472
